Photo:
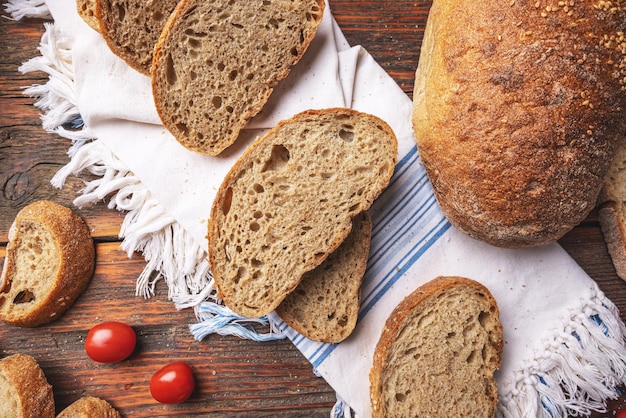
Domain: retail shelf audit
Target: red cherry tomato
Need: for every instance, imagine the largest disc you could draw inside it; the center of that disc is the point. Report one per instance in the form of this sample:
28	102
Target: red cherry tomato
110	342
172	383
621	414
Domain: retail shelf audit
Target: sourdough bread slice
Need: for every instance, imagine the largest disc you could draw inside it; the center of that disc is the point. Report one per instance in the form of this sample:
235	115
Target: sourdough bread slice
131	28
24	389
325	305
288	202
217	62
438	352
89	407
49	262
612	210
87	11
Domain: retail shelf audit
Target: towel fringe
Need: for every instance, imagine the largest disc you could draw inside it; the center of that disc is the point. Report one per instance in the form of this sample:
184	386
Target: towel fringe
581	367
20	9
215	318
341	409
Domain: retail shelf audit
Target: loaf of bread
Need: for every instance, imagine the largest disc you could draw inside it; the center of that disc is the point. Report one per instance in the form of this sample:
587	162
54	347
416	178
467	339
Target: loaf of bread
24	389
87	11
131	28
289	200
89	407
438	352
216	64
612	212
325	305
518	109
50	259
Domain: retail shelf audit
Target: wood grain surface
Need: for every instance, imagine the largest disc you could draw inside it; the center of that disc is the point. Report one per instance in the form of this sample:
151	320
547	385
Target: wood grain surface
235	377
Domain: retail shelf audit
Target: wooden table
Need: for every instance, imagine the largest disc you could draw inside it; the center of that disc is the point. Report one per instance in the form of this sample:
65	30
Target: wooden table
235	377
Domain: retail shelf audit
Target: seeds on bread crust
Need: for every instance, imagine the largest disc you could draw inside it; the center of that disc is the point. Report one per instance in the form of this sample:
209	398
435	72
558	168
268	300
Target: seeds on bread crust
217	62
288	202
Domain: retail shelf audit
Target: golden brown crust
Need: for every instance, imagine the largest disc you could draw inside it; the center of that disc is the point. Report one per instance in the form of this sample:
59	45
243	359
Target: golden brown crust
398	318
89	407
76	262
23	374
518	107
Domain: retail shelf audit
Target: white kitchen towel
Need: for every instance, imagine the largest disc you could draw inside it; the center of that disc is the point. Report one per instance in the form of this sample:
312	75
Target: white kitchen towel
565	346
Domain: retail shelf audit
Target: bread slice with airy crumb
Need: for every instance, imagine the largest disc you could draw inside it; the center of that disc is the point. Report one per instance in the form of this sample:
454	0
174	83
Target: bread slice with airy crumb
217	62
89	407
87	11
288	202
612	210
24	389
438	352
50	258
131	28
325	305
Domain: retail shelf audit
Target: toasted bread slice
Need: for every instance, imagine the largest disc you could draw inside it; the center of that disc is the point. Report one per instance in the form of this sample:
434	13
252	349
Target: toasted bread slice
289	200
438	353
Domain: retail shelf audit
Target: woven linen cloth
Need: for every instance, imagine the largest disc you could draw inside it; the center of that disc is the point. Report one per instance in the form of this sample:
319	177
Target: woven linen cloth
565	347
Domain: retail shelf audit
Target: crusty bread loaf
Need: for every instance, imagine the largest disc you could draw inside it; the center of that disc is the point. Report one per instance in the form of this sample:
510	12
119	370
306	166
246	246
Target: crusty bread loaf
49	262
288	202
87	11
131	28
612	210
217	63
438	352
325	305
24	389
518	108
89	407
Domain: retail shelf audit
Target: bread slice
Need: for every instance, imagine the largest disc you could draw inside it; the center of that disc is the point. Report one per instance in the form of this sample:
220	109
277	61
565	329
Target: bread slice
612	210
87	11
49	262
217	62
438	352
288	202
89	407
24	389
131	28
325	305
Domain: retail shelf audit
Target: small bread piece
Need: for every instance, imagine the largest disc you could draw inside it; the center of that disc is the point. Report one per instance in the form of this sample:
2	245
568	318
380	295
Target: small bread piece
131	28
517	113
24	389
612	210
89	407
50	259
438	352
289	200
217	62
87	11
325	305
